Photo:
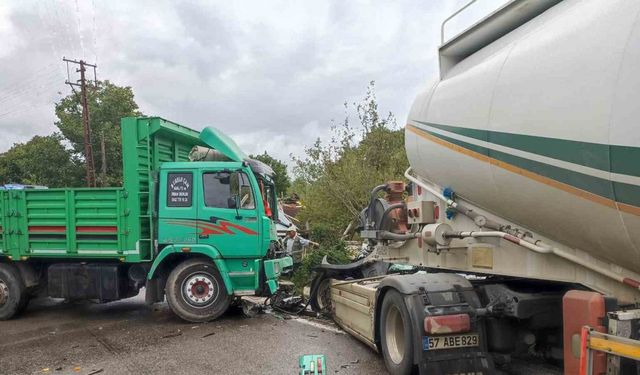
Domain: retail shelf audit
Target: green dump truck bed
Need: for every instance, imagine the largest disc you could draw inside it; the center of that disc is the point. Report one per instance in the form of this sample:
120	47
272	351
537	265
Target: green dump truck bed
97	222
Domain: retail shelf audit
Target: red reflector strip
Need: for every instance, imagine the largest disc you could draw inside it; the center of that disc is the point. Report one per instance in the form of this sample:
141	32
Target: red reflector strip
442	324
47	228
100	229
631	282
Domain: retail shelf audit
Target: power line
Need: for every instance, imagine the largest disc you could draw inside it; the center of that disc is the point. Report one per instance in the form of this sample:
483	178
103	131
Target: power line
79	28
94	32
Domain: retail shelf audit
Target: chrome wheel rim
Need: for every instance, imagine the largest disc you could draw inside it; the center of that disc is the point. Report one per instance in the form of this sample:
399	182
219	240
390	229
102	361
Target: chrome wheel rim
200	290
394	335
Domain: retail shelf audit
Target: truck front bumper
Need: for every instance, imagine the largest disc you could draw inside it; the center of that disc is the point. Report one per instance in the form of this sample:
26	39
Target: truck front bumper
273	269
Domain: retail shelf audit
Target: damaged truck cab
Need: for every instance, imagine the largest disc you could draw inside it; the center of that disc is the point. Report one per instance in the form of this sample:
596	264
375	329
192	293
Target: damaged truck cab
192	222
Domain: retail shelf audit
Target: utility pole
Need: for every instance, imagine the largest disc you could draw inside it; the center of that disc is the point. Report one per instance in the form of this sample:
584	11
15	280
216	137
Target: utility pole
82	83
103	164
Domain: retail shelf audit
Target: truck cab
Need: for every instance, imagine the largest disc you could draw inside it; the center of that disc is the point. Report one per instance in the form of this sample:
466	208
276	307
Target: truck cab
221	208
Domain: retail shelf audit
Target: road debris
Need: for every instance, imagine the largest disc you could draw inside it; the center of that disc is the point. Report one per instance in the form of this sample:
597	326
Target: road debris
173	334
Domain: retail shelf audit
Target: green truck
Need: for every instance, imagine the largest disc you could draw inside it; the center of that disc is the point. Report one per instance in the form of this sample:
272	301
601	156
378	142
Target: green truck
201	233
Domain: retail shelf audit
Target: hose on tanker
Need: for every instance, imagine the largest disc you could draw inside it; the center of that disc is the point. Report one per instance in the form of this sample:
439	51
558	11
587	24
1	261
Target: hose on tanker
387	211
386	235
374	193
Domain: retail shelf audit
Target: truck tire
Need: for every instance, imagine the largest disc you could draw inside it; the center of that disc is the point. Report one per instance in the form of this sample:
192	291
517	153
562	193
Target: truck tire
320	294
196	292
395	334
13	296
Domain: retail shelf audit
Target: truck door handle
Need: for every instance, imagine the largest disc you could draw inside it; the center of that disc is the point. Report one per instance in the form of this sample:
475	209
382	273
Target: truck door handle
213	219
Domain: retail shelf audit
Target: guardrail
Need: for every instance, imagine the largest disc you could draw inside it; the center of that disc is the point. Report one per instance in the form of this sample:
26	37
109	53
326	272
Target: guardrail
452	16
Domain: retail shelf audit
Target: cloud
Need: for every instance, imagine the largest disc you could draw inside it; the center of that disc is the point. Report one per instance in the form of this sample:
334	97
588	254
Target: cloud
271	74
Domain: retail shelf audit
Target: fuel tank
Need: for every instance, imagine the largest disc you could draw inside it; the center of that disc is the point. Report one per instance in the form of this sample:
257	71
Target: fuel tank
536	118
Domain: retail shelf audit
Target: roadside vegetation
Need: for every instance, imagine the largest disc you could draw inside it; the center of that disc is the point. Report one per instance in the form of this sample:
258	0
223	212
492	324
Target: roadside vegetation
334	179
56	160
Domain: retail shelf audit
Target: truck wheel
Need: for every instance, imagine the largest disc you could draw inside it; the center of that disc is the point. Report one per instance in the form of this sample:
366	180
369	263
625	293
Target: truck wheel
13	297
195	291
395	334
320	294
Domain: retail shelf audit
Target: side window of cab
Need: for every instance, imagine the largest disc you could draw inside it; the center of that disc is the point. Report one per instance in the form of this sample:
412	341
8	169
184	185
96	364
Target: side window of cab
228	190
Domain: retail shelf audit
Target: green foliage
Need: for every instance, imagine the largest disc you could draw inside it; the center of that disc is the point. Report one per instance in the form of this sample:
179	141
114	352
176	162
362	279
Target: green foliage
335	179
41	161
108	103
280	170
331	246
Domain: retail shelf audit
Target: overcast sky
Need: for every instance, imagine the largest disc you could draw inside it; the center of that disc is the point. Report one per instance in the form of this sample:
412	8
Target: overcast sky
272	74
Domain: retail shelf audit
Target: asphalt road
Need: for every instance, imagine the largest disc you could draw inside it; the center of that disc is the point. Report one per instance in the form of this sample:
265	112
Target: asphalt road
129	337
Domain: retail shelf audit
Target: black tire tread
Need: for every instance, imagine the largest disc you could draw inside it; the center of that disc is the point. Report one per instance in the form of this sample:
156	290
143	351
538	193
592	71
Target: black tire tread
406	367
181	308
18	298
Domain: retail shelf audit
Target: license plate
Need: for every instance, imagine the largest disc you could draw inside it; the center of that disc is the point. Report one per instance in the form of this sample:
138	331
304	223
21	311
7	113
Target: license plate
450	342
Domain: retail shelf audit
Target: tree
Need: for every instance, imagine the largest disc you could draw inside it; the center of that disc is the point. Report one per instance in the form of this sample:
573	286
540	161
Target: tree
336	178
108	103
281	176
41	161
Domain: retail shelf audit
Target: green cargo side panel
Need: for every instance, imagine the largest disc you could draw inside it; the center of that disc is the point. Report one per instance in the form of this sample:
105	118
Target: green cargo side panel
53	223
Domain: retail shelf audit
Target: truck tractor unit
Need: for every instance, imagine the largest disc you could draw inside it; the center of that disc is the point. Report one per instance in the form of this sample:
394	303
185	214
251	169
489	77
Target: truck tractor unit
521	216
194	221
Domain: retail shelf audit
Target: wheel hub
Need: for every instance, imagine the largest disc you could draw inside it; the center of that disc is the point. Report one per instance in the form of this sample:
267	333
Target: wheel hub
4	293
394	333
199	290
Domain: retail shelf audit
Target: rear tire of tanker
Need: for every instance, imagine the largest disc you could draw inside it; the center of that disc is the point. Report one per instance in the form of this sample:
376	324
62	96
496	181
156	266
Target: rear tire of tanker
13	296
196	292
396	335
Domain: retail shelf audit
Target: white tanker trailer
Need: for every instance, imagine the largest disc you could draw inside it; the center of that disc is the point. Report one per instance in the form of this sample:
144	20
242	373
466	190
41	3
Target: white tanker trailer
523	212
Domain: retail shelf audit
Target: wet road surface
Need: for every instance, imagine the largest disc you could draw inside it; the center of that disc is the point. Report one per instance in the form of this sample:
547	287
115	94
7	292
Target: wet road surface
129	337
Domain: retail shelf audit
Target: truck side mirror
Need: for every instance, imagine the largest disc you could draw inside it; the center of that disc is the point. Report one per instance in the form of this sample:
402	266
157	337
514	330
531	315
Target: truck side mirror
232	202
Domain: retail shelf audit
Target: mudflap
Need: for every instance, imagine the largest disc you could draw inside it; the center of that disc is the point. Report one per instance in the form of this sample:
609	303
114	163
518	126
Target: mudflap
471	361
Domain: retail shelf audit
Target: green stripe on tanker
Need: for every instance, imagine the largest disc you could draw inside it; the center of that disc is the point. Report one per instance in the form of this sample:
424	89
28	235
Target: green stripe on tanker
610	158
616	191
